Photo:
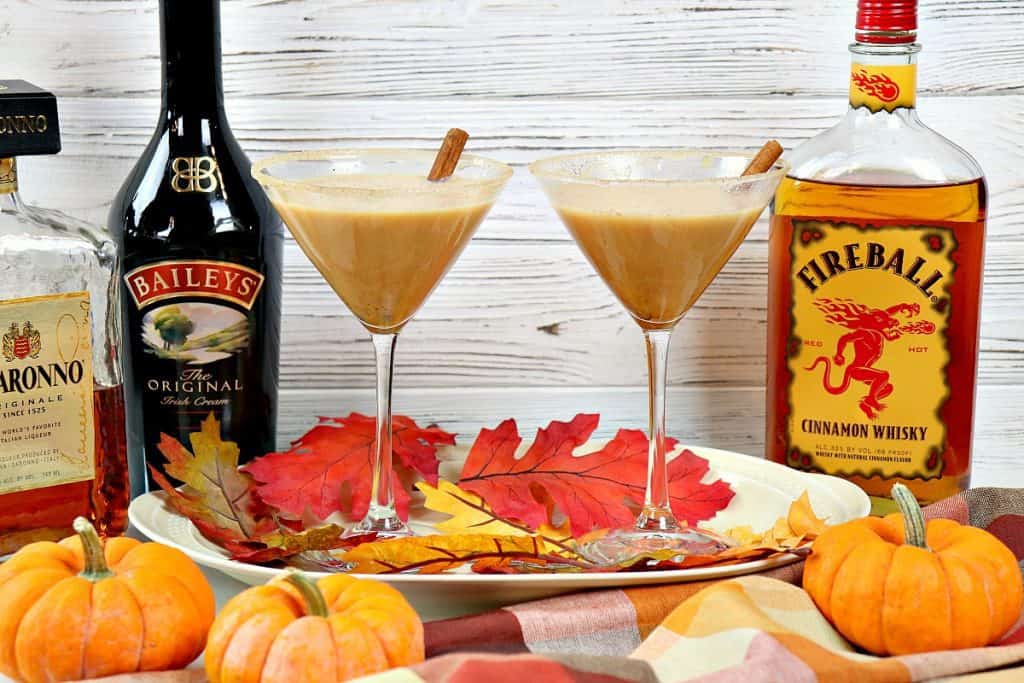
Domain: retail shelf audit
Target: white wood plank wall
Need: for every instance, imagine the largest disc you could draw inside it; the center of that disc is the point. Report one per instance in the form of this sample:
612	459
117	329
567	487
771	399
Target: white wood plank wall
522	327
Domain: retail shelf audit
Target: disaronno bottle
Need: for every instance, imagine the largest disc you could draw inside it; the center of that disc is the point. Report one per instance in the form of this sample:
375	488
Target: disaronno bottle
202	251
62	436
876	253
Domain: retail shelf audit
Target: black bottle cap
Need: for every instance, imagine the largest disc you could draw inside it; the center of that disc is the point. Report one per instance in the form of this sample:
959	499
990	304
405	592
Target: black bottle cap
28	120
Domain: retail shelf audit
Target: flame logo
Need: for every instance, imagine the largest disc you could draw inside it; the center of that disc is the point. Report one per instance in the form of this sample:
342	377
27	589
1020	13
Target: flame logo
878	85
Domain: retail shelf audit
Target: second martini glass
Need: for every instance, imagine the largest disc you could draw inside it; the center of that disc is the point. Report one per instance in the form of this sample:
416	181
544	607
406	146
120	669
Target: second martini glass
383	236
657	226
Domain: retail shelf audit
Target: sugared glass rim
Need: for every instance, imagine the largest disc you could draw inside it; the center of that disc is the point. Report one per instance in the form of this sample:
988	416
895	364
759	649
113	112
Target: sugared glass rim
260	171
547	169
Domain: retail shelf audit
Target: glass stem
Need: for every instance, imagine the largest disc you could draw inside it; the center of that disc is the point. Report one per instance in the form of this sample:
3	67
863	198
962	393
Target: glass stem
382	495
657	511
381	516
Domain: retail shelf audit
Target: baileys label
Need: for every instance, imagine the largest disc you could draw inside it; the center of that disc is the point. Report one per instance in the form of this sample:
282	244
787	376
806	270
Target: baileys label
206	279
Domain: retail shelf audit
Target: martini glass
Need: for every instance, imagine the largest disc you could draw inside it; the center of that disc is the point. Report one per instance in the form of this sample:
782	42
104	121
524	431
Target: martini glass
383	236
657	226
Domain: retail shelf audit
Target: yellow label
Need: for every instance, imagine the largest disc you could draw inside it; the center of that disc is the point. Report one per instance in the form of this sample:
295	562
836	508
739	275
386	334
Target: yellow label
868	353
8	175
46	392
879	87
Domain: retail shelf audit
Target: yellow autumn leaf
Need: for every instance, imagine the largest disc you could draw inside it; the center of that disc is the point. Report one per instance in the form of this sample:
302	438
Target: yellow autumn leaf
799	525
435	554
470	514
802	519
744	535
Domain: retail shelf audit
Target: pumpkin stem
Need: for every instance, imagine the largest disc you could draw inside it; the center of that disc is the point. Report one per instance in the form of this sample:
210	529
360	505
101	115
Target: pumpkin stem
95	568
315	603
913	518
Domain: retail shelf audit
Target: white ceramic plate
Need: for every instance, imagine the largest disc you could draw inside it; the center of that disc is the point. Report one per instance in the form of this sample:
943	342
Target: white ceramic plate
764	491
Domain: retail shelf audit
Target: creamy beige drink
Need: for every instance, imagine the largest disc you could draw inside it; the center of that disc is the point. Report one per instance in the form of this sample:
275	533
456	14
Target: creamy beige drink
658	265
383	258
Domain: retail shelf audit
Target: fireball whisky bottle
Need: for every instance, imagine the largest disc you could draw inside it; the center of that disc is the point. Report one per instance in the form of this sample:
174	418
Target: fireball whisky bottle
62	434
876	254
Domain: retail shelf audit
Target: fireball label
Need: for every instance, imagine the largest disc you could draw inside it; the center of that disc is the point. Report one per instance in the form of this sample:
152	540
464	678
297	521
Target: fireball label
867	350
46	392
883	87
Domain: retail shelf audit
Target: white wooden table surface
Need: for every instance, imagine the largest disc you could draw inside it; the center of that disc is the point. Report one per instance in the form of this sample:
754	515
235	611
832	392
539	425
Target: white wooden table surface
522	326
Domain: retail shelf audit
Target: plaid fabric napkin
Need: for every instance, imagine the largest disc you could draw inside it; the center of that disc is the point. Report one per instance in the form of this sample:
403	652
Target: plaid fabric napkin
745	630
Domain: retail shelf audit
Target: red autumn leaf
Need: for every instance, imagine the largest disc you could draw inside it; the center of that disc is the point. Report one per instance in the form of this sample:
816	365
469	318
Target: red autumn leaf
591	490
338	452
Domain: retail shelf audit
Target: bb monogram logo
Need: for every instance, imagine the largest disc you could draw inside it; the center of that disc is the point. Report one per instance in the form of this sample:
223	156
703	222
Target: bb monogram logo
195	174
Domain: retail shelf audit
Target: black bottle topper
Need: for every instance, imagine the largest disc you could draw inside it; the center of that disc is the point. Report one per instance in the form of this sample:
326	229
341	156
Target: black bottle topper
28	120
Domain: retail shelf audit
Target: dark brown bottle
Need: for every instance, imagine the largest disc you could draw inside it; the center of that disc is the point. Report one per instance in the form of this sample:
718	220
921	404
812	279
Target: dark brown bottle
201	254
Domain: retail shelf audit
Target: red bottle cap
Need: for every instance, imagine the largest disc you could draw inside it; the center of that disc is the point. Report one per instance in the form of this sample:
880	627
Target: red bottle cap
886	21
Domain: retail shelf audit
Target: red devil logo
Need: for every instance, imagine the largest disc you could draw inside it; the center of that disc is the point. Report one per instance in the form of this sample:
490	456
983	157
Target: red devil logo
870	329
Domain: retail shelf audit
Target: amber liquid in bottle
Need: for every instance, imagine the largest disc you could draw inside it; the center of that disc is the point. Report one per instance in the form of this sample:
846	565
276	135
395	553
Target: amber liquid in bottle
959	207
46	514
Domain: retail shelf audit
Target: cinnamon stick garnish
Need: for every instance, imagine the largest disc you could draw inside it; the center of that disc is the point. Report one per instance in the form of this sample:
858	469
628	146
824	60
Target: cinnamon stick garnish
765	158
448	156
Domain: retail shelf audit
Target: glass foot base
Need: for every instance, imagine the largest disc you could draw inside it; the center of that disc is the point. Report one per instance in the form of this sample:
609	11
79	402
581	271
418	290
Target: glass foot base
620	546
384	523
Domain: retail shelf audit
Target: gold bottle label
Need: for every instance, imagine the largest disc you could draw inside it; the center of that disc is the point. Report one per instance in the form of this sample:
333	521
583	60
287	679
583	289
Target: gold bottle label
883	87
8	175
868	347
46	392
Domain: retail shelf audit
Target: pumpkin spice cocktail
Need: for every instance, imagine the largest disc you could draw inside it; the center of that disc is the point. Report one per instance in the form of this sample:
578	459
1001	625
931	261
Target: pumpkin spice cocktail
383	227
658	226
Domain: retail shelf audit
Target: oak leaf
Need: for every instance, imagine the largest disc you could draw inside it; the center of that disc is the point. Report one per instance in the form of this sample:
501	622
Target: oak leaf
335	458
470	514
593	490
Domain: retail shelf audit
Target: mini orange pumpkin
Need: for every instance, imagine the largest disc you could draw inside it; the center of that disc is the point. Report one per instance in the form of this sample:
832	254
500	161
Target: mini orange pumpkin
894	587
82	608
293	630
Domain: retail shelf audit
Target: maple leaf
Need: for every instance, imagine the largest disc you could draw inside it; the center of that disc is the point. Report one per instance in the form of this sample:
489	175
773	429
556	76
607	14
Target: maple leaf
219	499
337	454
435	554
215	490
592	491
470	514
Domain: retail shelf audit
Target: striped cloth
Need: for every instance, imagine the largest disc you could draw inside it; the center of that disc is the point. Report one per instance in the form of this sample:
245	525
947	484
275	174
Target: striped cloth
746	630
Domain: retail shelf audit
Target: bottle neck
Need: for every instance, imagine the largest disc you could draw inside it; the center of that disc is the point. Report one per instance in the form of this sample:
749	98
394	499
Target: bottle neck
190	46
883	77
